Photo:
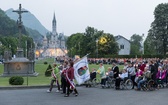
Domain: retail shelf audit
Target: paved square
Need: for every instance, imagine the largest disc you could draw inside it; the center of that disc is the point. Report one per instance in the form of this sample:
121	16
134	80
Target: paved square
87	96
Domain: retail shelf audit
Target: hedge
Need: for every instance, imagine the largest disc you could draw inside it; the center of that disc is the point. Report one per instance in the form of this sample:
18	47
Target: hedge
16	80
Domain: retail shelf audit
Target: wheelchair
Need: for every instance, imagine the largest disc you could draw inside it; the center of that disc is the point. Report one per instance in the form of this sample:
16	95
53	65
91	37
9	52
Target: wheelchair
110	83
148	85
126	84
93	83
161	83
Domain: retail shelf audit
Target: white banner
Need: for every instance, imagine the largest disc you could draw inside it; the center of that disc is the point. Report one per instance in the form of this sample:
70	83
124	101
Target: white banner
81	70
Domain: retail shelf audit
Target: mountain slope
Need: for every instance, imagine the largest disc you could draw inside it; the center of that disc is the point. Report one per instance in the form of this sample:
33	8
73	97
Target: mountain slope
8	27
29	20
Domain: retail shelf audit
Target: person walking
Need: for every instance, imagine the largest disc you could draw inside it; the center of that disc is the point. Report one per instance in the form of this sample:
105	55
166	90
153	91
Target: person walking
70	78
54	78
63	77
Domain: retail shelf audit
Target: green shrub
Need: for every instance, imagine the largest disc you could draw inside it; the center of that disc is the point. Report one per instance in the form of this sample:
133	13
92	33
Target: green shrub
16	80
45	62
48	71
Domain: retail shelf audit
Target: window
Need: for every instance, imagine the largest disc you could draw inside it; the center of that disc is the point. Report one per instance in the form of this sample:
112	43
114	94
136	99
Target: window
121	46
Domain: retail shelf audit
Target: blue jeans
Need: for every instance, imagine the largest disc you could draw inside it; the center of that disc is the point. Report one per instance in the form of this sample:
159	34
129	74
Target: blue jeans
140	83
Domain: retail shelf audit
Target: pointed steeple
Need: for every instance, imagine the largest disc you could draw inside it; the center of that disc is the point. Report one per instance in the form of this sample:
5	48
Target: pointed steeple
54	19
54	24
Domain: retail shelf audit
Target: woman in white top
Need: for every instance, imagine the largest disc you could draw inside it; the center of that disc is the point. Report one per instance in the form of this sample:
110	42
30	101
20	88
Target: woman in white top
120	78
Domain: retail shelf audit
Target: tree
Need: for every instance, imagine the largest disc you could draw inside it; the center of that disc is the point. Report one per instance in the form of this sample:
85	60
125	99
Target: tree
75	44
136	44
8	27
48	71
150	44
107	44
11	43
84	43
158	34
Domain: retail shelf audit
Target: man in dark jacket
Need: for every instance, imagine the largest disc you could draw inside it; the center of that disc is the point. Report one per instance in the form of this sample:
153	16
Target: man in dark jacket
115	70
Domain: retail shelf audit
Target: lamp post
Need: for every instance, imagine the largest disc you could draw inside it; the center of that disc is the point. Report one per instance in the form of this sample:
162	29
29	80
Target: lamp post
97	47
1	50
143	44
79	48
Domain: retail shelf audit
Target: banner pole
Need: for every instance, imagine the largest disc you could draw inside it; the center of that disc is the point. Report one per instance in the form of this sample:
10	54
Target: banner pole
81	58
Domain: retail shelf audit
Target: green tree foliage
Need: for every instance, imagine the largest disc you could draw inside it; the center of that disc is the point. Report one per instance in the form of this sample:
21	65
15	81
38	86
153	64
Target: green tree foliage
75	44
84	43
16	80
136	44
34	34
11	43
150	44
7	24
9	35
48	71
8	27
157	39
107	45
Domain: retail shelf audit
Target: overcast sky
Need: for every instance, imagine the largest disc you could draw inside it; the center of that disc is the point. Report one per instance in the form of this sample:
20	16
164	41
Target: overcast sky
118	17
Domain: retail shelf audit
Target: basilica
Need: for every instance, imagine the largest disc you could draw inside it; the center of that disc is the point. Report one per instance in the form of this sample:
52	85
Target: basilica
55	46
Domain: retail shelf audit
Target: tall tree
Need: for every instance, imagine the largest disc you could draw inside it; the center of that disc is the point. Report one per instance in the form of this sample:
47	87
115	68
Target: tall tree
136	44
74	44
107	44
83	43
158	34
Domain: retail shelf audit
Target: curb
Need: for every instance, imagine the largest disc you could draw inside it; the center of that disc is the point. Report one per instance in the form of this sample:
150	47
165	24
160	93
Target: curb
24	87
27	87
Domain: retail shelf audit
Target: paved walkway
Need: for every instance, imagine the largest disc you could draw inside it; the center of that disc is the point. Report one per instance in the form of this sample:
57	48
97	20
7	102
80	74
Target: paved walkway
87	96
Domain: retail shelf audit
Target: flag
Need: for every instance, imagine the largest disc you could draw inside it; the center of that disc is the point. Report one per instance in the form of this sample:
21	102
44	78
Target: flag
81	70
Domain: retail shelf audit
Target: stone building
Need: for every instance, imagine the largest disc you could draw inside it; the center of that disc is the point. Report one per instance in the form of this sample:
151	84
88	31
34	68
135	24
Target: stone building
56	45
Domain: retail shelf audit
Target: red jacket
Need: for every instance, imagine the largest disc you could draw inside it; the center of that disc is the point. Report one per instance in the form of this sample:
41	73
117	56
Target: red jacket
70	73
142	67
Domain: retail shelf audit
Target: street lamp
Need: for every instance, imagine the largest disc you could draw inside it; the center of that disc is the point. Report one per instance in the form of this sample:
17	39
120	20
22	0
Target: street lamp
97	47
55	52
143	44
79	48
1	50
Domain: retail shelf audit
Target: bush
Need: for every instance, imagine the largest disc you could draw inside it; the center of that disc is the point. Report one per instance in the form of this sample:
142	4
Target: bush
45	62
48	71
16	80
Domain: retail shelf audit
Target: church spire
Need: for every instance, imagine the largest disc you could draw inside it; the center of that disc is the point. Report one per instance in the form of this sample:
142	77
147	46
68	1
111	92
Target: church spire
54	25
54	20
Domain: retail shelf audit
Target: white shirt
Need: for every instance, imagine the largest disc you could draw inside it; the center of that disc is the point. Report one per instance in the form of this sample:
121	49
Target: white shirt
124	75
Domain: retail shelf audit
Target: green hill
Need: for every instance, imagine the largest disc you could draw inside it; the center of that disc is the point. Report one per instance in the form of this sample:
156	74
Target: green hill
8	27
29	20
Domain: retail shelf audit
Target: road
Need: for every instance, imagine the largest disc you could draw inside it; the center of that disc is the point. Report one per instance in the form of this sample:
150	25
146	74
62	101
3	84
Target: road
87	96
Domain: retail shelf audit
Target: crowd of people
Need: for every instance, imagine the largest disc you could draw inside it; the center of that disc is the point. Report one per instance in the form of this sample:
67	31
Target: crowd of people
138	70
66	72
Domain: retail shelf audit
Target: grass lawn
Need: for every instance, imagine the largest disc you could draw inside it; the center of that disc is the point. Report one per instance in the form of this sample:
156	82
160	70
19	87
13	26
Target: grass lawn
40	68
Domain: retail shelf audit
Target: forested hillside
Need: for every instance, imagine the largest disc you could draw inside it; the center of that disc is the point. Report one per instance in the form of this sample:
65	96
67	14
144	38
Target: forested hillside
8	27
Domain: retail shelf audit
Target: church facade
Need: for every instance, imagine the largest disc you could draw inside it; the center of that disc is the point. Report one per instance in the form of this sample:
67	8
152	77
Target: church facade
56	45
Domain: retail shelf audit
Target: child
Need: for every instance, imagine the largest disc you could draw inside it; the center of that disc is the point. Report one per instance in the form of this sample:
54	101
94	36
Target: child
55	78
